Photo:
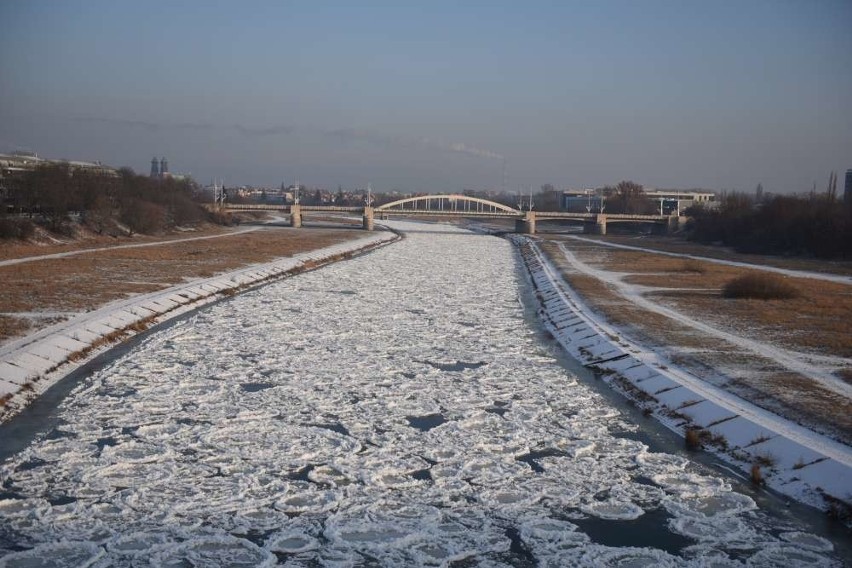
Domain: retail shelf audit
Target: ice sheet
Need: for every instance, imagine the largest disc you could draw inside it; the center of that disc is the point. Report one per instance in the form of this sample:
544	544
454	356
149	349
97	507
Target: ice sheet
392	410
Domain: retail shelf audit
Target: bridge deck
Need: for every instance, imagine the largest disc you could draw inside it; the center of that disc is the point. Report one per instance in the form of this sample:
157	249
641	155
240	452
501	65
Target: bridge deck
458	212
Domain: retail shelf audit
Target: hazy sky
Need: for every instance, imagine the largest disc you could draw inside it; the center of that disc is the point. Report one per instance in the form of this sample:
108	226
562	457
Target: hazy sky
432	95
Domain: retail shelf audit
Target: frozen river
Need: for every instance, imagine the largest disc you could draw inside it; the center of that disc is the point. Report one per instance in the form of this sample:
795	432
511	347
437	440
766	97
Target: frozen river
397	409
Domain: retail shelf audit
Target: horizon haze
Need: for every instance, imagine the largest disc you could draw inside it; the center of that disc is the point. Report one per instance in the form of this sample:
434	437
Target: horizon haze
437	97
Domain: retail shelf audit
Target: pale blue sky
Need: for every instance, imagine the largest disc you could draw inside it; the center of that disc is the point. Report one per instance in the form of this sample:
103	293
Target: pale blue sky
428	96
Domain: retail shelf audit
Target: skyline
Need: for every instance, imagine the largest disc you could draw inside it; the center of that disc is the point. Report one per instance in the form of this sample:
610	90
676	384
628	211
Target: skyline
413	98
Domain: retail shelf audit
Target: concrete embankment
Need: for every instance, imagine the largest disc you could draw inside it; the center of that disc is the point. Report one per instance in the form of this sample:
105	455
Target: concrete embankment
787	457
31	365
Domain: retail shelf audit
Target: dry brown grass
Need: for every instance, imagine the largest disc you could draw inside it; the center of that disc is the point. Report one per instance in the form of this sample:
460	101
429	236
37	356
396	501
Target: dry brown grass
89	240
692	265
84	282
819	322
681	246
13	326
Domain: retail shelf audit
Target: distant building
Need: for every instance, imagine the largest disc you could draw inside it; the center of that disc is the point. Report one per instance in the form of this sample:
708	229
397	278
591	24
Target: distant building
582	201
20	162
847	189
669	202
674	202
159	168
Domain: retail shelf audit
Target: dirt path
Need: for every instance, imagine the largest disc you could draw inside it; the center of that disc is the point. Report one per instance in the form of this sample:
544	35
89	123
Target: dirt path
785	271
792	358
42	290
65	254
819	369
772	422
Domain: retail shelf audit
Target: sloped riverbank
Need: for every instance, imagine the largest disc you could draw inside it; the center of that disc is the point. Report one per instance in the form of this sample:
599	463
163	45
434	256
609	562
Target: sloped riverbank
789	458
32	364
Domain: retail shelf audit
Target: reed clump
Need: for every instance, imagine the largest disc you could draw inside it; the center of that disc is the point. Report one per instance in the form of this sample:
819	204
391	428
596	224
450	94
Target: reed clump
760	286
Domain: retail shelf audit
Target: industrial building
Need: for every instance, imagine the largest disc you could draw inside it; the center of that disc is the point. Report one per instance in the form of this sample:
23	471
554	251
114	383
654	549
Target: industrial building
669	202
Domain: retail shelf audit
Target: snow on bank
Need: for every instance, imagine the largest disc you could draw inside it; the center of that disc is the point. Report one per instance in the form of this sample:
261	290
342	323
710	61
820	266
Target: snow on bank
793	460
32	364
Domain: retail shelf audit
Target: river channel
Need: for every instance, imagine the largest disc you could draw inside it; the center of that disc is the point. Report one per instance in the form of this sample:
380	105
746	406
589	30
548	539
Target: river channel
397	409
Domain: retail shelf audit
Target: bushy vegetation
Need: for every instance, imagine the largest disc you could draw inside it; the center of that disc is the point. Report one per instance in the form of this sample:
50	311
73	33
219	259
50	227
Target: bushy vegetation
12	228
816	225
760	286
628	197
104	202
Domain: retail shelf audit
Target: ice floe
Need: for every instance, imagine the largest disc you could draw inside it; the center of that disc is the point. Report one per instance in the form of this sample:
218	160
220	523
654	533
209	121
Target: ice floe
416	422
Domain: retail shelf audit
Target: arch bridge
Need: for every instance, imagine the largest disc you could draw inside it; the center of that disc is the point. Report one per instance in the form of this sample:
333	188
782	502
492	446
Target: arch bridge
457	205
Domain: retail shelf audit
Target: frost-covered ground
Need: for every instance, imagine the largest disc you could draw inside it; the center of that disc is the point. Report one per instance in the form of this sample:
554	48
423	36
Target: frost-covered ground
792	459
394	409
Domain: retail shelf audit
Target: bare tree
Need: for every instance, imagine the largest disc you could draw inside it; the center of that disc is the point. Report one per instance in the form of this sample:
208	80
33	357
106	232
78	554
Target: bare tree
831	192
548	199
629	197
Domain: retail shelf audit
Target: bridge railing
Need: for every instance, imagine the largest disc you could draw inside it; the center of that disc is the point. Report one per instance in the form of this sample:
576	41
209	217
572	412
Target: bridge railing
448	202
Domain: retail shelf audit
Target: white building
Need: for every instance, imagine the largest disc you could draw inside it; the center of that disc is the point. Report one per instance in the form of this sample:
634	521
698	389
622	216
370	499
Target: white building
669	202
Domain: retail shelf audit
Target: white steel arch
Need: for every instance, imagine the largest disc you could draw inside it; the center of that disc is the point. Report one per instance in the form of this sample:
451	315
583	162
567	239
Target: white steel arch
454	198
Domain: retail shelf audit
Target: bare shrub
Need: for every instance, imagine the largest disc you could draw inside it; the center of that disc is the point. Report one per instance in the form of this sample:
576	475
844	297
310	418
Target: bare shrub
756	474
693	439
222	218
758	440
765	460
143	216
760	286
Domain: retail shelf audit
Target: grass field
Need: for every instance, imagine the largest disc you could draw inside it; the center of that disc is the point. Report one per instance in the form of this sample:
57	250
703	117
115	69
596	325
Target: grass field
39	293
818	323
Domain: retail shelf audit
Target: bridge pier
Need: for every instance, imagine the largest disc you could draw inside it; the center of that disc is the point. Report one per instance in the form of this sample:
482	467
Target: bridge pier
296	216
367	220
675	224
595	227
526	225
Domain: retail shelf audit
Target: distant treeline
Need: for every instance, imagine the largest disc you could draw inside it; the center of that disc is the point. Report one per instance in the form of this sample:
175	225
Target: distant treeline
818	225
106	202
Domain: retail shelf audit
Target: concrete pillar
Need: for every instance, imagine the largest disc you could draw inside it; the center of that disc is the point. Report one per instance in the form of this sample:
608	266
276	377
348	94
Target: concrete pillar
296	216
526	225
367	222
596	227
530	219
